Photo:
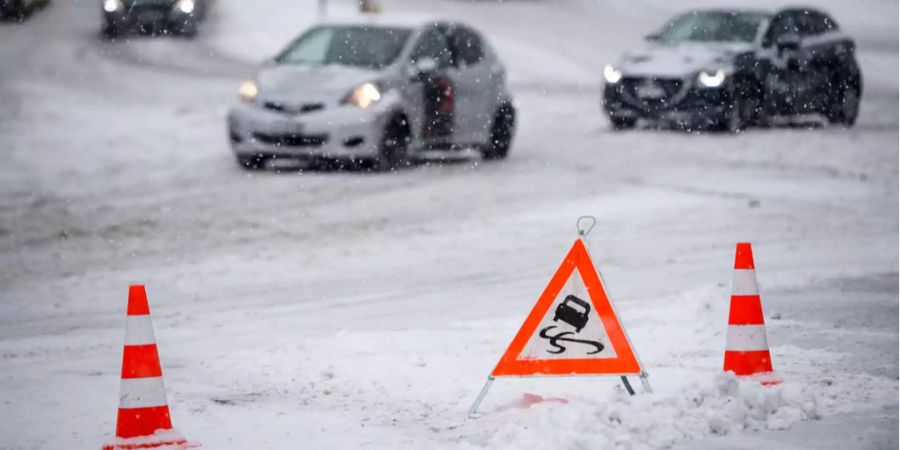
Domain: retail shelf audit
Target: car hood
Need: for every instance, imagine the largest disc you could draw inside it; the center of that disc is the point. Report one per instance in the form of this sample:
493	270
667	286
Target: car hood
296	83
680	60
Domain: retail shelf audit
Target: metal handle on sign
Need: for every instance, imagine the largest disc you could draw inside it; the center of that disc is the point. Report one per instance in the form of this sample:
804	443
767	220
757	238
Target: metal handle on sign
582	232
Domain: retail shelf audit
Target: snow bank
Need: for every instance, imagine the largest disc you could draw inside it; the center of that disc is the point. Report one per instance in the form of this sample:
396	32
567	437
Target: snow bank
718	405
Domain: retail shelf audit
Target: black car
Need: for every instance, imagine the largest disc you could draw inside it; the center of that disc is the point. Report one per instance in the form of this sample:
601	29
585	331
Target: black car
18	9
180	17
725	69
573	311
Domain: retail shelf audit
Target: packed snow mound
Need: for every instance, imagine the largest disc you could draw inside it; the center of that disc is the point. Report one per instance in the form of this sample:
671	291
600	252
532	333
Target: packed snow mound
719	405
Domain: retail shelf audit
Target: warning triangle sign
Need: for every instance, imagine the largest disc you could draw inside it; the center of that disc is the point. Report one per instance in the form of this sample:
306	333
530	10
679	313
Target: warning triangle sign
572	330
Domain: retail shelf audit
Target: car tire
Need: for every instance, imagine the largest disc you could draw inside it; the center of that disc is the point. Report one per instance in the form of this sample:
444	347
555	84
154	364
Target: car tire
392	152
622	123
751	112
845	109
733	121
503	128
109	31
187	30
14	10
251	162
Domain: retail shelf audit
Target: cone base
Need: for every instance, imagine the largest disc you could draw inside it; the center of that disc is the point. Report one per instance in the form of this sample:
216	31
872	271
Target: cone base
748	363
763	378
180	444
167	439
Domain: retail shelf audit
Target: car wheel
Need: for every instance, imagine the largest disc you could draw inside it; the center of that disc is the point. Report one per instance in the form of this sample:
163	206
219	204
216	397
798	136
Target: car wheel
251	162
846	109
733	121
622	123
187	30
394	145
109	31
503	129
751	112
14	10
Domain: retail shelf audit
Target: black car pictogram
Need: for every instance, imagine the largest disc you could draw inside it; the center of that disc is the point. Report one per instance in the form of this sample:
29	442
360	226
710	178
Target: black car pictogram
573	311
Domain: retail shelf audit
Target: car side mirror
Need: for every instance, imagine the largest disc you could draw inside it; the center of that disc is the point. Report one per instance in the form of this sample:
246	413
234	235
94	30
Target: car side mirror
787	42
422	68
425	66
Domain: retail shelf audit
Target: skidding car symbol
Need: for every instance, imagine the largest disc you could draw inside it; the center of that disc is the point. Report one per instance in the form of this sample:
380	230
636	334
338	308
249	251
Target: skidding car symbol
573	311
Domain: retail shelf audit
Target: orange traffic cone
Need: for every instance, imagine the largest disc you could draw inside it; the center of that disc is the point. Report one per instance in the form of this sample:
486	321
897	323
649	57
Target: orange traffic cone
746	347
143	420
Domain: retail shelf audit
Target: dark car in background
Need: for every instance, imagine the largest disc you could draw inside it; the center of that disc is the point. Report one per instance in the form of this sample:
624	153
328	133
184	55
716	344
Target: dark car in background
726	69
18	9
181	17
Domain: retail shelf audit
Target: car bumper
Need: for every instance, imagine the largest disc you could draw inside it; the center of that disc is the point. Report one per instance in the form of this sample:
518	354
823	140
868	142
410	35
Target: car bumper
336	132
691	107
152	19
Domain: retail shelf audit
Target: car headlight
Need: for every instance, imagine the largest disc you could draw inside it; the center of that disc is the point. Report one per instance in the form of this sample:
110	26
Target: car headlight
711	79
185	6
112	6
248	91
611	74
364	95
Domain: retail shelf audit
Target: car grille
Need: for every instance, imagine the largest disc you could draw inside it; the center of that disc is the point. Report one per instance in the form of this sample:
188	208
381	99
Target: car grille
670	92
144	12
293	109
292	139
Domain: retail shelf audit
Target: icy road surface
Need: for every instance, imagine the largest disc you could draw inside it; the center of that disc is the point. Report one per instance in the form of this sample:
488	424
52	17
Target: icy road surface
350	310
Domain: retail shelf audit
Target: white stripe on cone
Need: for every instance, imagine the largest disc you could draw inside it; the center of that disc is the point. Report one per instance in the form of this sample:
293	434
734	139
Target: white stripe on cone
142	393
746	338
744	282
139	330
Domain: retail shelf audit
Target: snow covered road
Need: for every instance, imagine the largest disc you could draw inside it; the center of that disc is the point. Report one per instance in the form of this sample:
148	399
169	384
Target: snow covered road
342	310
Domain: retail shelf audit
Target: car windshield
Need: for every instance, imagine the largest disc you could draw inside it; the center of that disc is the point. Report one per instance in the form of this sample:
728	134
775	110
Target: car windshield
712	26
359	46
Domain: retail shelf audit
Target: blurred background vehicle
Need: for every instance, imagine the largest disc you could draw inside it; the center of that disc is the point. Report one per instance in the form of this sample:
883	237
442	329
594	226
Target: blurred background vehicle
181	17
375	92
19	9
319	301
725	69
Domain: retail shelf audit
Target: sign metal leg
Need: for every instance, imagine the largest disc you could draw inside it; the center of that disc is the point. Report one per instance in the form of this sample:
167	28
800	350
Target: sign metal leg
627	385
646	383
487	386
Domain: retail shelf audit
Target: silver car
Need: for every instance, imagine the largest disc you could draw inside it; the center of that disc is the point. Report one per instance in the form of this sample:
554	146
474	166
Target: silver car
375	92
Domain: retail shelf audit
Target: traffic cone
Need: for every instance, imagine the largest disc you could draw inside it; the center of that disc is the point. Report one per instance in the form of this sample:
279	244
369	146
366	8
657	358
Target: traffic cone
143	421
746	347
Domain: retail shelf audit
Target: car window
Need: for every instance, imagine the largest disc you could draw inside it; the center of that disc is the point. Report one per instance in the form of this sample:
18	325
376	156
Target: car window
782	24
817	23
467	46
433	44
361	46
806	26
312	46
711	26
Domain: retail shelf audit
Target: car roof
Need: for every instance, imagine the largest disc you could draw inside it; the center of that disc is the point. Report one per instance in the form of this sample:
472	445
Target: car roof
731	11
801	8
405	20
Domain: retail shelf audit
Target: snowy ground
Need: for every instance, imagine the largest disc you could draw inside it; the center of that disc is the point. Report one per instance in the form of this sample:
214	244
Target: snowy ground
348	310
